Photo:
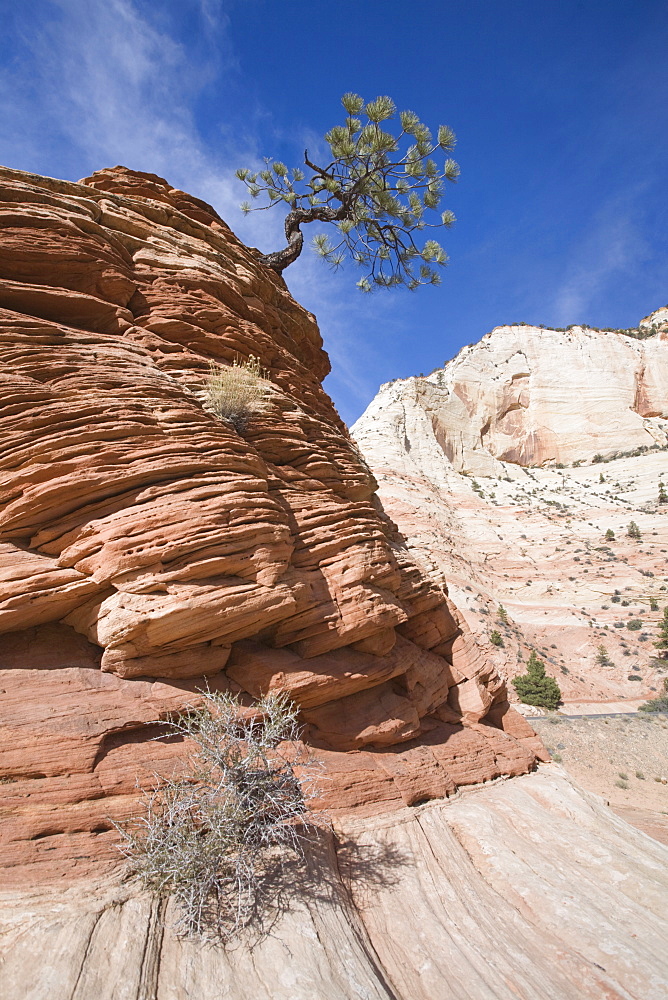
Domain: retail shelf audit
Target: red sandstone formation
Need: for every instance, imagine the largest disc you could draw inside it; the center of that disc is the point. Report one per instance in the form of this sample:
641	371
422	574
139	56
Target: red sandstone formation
146	545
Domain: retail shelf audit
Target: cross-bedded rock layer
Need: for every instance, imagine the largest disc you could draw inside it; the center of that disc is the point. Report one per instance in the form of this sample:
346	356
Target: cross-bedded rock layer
146	545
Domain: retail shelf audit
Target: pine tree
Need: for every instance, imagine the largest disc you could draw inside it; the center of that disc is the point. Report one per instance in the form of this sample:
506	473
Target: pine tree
609	535
602	656
502	614
662	642
633	531
376	190
496	638
663	495
535	687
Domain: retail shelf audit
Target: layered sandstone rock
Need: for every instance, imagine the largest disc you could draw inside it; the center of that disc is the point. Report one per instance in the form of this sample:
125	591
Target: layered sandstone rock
500	470
148	547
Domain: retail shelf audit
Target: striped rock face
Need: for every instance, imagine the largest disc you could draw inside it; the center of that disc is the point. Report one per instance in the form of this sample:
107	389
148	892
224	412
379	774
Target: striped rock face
148	547
516	472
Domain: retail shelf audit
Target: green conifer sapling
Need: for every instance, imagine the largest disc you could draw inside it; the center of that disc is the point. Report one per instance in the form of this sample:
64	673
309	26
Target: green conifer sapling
535	687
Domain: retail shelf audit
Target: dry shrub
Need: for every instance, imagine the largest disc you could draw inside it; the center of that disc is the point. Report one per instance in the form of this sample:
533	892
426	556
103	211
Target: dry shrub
234	391
217	835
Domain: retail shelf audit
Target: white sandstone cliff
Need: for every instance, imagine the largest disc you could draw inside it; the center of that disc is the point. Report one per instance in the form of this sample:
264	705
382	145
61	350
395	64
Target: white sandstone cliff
531	396
500	471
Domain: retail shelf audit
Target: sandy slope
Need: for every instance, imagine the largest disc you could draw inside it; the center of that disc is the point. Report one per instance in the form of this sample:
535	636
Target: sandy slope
623	758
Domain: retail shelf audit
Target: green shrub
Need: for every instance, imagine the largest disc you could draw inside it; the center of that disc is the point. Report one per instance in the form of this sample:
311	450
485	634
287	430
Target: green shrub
633	531
659	704
234	391
502	614
610	535
216	834
496	638
634	625
535	687
662	642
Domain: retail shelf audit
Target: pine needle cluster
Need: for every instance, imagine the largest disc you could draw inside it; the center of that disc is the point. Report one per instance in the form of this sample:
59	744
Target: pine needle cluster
378	189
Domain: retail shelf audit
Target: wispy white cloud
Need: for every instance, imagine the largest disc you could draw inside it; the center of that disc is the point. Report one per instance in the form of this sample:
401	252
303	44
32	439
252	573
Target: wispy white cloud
100	82
613	246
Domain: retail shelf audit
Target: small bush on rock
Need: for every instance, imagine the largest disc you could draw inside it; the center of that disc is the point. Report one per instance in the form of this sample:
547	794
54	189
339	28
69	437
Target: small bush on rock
535	687
234	391
496	638
216	834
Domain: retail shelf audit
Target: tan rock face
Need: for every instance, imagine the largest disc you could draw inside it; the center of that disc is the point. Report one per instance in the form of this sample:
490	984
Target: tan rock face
469	493
146	545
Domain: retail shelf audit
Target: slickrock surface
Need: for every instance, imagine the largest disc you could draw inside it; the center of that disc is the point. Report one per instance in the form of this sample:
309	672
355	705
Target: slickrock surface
525	890
506	530
146	545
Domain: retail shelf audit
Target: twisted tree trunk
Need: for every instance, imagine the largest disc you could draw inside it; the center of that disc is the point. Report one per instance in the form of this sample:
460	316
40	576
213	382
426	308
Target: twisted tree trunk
281	259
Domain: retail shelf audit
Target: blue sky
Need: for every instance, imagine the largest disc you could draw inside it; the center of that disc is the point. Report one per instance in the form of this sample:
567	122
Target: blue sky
559	108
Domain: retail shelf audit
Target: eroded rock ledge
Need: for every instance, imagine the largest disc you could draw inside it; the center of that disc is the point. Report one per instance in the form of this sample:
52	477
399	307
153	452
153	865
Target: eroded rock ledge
145	545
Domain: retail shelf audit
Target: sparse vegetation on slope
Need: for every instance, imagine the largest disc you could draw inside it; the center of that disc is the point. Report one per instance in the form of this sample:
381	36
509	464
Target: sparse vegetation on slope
662	641
659	704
